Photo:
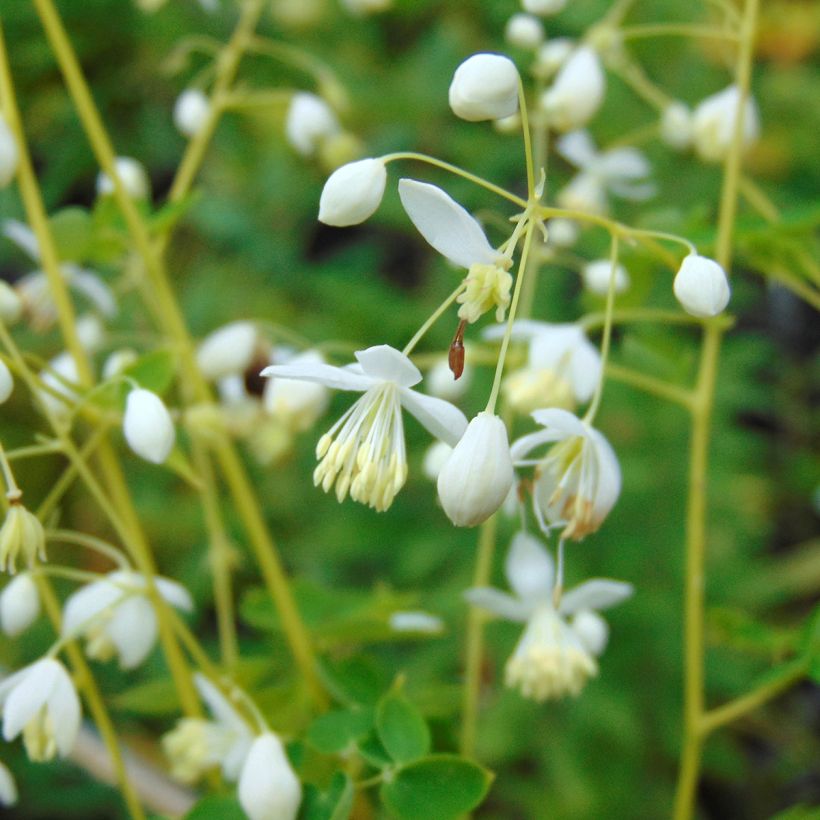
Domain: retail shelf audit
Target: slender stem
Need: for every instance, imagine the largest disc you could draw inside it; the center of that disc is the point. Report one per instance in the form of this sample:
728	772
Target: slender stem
676	30
419	334
90	542
525	131
649	384
33	450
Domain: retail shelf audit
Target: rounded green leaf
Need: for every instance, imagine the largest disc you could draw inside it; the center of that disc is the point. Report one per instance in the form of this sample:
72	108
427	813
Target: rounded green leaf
439	786
333	732
401	729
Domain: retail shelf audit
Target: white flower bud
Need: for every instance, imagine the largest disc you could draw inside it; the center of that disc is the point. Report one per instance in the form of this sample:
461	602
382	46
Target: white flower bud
90	332
552	55
309	121
440	381
577	93
477	476
19	605
118	361
677	125
147	426
485	87
524	31
8	788
191	111
228	350
133	177
9	155
434	459
701	286
11	305
562	233
714	124
296	404
62	368
543	7
596	277
268	787
6	382
352	193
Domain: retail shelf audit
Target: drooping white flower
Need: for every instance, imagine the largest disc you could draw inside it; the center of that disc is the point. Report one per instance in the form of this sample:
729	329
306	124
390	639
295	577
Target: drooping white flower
227	350
677	125
364	453
297	404
21	537
563	366
8	788
553	658
309	121
440	381
701	286
478	474
19	605
132	175
9	155
578	481
484	87
577	92
455	234
197	745
191	111
147	426
597	275
268	786
622	172
524	31
6	382
116	616
713	124
352	193
40	701
543	7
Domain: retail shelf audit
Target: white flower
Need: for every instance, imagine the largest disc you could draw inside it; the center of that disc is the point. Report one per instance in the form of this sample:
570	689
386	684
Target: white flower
562	365
562	233
9	155
352	193
6	382
196	745
478	475
553	658
297	404
552	55
118	361
191	111
268	787
11	306
132	175
577	91
484	87
578	481
524	31
147	426
714	124
227	350
701	286
364	453
40	701
619	171
597	275
677	125
116	616
21	536
309	121
19	605
61	369
456	235
543	7
440	381
8	788
420	622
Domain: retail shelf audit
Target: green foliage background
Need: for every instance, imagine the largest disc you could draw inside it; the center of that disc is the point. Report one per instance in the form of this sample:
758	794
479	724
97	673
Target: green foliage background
249	246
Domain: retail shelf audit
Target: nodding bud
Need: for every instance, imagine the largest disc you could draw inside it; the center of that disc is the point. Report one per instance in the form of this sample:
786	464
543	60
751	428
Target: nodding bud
713	126
132	175
485	87
147	426
6	382
11	305
9	155
352	193
524	31
701	286
19	605
577	93
677	126
227	350
310	121
478	475
268	787
191	111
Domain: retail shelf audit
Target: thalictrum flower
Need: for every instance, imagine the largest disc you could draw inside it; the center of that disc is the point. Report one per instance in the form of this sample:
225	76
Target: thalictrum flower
364	452
577	91
713	124
147	426
268	787
701	286
309	122
554	657
484	87
21	536
19	605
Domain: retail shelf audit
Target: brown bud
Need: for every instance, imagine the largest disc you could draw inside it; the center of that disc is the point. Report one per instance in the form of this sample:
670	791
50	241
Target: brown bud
456	355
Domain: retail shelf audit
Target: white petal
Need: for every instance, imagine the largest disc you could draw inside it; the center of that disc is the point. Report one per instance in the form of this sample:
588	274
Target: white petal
578	148
66	713
609	475
268	788
592	630
84	605
499	603
529	568
175	594
133	630
448	227
8	789
598	593
561	421
585	369
23	237
227	350
444	420
19	604
339	378
32	689
554	345
522	330
219	705
386	364
524	445
623	163
93	288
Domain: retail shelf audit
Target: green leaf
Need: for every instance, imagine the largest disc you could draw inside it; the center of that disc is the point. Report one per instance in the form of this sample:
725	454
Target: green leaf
72	229
402	730
216	807
334	732
374	753
153	371
155	697
441	786
334	804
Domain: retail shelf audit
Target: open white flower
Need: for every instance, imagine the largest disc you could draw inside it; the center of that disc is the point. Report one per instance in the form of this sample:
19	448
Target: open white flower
457	236
578	481
563	366
196	744
309	122
713	124
364	453
622	172
577	91
40	701
268	786
116	616
21	537
553	658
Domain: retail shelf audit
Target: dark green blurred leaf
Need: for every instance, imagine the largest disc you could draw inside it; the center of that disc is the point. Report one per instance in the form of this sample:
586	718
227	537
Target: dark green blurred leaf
216	807
72	230
334	804
402	730
334	732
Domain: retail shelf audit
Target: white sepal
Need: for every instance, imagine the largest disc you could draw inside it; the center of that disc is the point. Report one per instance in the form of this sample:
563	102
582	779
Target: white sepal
484	87
147	426
352	193
713	124
529	568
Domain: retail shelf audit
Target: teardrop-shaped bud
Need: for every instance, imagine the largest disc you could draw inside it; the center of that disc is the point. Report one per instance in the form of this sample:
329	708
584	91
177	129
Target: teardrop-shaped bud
147	426
485	87
191	111
268	787
19	605
352	193
701	286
